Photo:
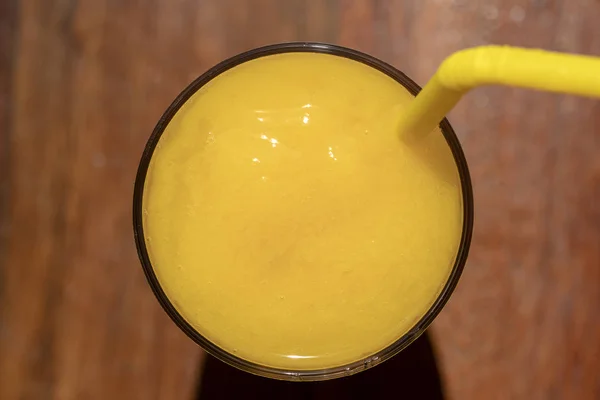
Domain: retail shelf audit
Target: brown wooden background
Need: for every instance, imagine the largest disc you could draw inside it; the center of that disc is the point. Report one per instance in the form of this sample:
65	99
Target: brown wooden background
82	83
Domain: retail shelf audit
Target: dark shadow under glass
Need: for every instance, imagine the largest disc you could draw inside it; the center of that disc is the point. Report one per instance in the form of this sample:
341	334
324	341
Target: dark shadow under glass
411	374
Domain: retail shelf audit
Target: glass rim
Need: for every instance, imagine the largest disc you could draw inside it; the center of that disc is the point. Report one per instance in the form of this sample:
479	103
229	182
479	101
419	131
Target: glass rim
280	373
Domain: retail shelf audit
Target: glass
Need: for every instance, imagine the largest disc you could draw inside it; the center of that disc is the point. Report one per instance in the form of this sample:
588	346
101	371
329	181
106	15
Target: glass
285	374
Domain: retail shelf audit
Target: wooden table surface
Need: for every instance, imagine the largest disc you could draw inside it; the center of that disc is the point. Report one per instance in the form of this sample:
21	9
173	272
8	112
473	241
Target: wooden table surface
82	83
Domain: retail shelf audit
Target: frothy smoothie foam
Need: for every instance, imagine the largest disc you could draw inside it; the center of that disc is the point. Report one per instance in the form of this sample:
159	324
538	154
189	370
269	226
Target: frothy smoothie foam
288	224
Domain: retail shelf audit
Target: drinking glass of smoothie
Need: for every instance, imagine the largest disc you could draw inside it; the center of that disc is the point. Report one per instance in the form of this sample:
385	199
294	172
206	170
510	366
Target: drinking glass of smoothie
284	225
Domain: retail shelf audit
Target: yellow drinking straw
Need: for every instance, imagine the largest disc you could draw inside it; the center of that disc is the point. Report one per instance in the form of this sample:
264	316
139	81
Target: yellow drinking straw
498	65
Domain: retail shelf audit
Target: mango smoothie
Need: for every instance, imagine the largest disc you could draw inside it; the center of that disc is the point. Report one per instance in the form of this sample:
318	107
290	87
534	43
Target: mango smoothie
288	224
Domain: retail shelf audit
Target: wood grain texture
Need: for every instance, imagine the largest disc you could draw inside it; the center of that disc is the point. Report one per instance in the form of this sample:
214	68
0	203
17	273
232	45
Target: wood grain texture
82	83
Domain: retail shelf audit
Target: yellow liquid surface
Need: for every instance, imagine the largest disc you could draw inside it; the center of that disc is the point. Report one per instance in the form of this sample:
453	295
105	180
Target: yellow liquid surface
288	223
